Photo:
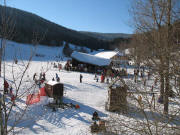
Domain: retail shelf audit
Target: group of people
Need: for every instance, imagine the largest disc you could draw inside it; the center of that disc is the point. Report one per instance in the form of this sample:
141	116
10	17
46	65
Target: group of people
68	66
141	73
57	78
79	67
42	78
118	72
96	77
59	66
103	77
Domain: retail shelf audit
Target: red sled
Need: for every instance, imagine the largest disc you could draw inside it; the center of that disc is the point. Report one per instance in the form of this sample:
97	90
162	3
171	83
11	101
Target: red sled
42	92
32	98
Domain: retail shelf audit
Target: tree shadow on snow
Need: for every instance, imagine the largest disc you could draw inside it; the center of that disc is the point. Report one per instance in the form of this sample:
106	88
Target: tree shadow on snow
33	126
137	113
84	108
69	114
61	118
69	87
94	85
28	119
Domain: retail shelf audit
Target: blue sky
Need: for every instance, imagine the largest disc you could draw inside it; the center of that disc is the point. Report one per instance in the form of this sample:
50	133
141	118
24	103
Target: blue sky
107	16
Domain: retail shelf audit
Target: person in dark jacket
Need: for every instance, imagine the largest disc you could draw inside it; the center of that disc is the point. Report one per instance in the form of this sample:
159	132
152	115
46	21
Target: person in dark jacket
6	86
95	76
58	79
97	79
95	116
34	76
44	76
81	78
40	76
57	76
10	90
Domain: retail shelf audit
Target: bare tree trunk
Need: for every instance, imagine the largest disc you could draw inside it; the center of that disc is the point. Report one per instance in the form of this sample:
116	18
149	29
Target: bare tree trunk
166	94
1	56
1	118
0	66
168	50
162	83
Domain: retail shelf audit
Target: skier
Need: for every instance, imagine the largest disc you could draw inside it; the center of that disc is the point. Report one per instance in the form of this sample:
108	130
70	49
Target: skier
107	80
95	76
6	86
97	79
95	116
137	72
81	78
40	76
44	76
39	83
57	76
34	76
102	78
60	67
58	79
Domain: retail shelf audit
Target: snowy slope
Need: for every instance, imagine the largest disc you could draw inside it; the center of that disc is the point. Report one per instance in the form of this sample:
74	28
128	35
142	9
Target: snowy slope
24	51
89	95
69	121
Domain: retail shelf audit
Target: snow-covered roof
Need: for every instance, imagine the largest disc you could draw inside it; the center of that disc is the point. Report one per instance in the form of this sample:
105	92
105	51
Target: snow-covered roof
91	59
105	54
52	83
120	53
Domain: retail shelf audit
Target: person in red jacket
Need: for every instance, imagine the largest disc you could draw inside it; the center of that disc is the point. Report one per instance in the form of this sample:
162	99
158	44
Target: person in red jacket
13	99
6	86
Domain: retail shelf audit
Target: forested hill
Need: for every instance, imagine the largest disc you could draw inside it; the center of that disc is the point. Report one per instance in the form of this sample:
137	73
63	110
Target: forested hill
107	36
27	27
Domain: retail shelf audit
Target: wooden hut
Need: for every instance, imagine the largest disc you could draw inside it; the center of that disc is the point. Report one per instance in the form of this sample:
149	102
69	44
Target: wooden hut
117	97
54	89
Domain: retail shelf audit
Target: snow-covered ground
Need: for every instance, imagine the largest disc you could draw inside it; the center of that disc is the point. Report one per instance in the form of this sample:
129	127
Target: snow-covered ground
38	119
89	95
